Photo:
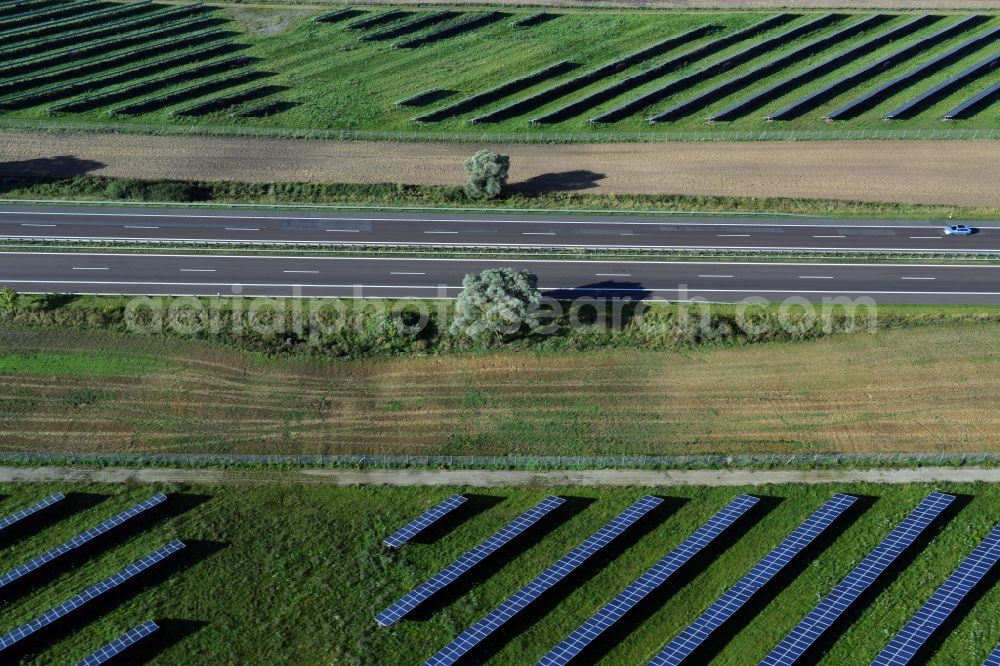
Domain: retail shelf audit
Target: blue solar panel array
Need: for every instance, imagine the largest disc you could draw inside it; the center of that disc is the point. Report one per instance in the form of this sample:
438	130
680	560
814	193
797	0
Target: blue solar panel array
904	646
91	593
120	644
79	540
945	88
34	508
423	521
994	658
658	574
973	103
805	634
472	636
446	576
762	573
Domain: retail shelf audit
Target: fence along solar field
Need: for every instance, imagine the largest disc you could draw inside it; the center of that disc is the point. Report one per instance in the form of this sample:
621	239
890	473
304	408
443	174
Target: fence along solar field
905	645
120	644
653	578
18	516
733	599
552	575
79	540
398	610
423	521
832	606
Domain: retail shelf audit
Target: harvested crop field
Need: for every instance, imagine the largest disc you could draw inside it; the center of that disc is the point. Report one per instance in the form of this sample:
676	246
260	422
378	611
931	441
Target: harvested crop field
902	390
960	173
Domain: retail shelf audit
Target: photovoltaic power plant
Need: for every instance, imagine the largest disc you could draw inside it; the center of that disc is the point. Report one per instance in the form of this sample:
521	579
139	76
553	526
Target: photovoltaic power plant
564	566
760	575
994	658
446	576
80	540
423	521
91	593
34	508
120	644
654	577
833	605
904	646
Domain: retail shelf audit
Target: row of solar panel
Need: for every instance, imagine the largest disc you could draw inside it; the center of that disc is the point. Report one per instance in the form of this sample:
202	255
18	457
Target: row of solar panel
52	615
900	650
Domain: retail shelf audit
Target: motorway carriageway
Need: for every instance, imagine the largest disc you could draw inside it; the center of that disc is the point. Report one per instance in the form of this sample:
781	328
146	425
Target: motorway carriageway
498	229
165	274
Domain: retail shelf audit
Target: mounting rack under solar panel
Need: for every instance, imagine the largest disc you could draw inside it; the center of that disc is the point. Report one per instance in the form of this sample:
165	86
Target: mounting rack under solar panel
564	566
760	575
655	576
80	540
446	576
423	521
904	646
994	658
120	644
847	591
91	593
34	508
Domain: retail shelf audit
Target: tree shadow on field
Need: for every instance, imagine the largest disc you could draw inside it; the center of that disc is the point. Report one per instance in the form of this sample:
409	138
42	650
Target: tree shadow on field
15	173
472	507
563	181
497	560
552	597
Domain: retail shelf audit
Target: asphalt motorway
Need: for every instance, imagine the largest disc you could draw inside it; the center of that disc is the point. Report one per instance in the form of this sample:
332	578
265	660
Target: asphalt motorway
499	229
377	277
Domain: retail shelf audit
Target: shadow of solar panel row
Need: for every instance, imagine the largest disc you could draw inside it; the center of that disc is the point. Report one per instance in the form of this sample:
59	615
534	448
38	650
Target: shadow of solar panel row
18	516
79	540
883	91
472	636
795	57
654	577
120	644
974	104
994	658
760	575
847	591
941	90
423	521
904	646
809	74
446	576
718	67
91	593
873	69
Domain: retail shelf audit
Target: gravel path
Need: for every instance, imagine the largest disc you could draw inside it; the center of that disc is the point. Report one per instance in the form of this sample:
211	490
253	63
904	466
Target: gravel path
944	172
501	478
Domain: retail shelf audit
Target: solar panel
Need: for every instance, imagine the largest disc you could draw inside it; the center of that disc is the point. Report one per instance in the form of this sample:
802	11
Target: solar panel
117	646
994	658
973	103
34	508
79	540
760	575
565	565
446	576
423	521
795	644
904	646
655	576
91	593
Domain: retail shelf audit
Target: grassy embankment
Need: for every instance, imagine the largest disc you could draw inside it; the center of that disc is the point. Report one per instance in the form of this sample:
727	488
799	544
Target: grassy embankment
294	574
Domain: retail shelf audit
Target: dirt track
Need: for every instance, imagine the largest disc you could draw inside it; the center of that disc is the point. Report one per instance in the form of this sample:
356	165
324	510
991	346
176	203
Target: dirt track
945	172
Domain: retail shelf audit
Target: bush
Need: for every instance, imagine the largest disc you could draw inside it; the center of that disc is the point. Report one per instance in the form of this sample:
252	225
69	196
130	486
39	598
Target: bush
497	304
487	175
140	190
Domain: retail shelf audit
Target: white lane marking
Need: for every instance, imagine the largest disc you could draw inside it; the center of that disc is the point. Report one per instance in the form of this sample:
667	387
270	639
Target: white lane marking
404	273
829	236
25	224
346	231
538	233
732	235
925	237
815	277
440	232
613	274
715	276
242	228
907	277
137	226
300	271
197	270
90	268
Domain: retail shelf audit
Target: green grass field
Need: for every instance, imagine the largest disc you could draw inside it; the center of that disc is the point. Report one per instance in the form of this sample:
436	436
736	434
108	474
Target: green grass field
318	76
295	573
